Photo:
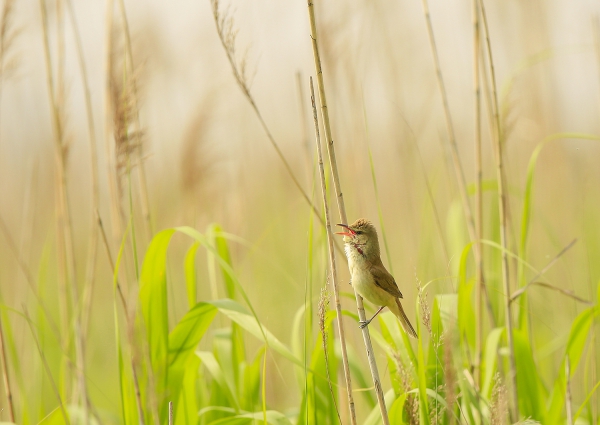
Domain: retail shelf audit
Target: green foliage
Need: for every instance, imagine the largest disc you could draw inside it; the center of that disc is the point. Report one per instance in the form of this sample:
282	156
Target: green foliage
216	360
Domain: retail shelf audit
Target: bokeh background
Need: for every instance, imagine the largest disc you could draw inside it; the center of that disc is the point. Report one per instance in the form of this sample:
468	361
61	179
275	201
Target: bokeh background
207	160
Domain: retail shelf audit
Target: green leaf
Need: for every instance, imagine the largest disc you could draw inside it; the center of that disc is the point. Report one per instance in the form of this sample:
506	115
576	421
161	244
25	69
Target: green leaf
374	417
575	345
190	274
530	388
186	335
273	418
250	394
186	407
242	317
222	249
490	355
396	411
153	303
526	214
129	412
183	340
466	314
212	365
422	381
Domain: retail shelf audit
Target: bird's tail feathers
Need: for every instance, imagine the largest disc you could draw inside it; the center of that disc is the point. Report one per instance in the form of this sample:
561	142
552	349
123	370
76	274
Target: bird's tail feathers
404	319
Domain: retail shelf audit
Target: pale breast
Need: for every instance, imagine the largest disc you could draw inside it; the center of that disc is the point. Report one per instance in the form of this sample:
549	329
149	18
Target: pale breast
362	279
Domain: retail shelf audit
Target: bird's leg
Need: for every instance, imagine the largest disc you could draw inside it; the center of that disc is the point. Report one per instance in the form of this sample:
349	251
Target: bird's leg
364	323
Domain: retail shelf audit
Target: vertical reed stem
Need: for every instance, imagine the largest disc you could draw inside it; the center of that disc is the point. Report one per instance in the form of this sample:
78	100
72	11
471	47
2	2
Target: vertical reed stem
568	406
145	204
478	197
341	206
9	400
460	175
63	217
503	218
334	281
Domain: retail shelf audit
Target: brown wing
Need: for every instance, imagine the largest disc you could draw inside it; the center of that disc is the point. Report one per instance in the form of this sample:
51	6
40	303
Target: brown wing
384	279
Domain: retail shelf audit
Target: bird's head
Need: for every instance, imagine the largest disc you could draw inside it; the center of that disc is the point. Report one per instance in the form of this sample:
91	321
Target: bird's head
361	233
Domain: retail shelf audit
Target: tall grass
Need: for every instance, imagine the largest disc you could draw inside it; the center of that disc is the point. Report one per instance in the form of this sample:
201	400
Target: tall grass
143	289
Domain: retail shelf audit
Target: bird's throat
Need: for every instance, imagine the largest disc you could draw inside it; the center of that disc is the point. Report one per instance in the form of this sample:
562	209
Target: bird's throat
359	248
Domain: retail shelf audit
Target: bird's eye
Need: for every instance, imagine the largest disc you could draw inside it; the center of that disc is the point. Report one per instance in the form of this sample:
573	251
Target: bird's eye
359	232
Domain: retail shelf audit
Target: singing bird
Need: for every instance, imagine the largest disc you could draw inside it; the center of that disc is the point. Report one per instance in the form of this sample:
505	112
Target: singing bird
368	274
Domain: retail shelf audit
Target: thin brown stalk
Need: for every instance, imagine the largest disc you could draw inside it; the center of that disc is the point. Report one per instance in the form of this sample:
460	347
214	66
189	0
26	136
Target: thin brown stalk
28	277
565	292
520	291
93	245
59	158
145	204
498	403
47	368
115	209
304	132
171	413
93	240
568	405
227	35
6	379
341	207
138	396
323	308
502	205
460	175
474	226
334	279
478	197
66	251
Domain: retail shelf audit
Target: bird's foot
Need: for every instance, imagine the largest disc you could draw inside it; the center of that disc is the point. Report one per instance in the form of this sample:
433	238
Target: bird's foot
364	323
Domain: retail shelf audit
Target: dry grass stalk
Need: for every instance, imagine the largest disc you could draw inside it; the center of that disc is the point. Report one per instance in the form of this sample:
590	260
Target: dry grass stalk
93	153
411	405
127	139
499	403
47	368
479	281
7	36
425	311
533	281
227	33
460	175
6	379
568	401
113	185
115	203
334	281
133	70
323	308
341	207
129	325
502	205
304	131
450	378
95	190
66	253
475	233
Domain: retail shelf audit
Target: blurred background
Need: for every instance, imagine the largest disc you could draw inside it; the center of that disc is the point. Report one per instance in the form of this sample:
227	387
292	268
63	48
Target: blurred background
207	159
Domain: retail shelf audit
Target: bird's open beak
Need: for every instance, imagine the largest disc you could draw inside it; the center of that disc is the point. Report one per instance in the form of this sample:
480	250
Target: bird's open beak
350	233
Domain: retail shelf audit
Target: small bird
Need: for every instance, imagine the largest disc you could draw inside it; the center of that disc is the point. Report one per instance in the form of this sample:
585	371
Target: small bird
368	274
